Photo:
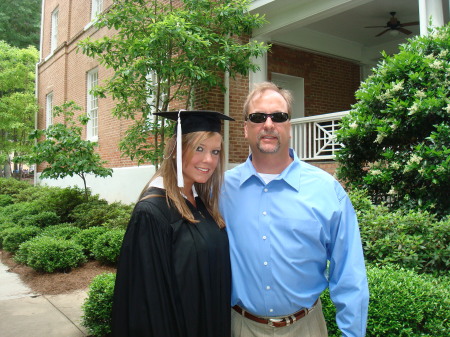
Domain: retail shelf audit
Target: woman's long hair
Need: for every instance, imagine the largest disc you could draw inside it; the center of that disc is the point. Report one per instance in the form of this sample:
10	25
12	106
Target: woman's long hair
208	192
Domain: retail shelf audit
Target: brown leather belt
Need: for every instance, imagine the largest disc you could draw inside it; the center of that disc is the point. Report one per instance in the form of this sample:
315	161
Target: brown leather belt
279	321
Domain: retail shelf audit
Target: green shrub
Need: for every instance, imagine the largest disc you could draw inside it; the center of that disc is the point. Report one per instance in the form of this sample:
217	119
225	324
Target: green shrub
361	201
397	136
63	231
87	237
100	213
414	240
98	305
15	212
119	215
11	186
49	254
55	199
42	219
107	246
90	214
14	236
5	200
402	303
3	226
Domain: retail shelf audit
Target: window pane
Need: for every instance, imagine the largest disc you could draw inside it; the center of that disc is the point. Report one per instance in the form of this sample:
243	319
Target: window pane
49	110
92	105
54	36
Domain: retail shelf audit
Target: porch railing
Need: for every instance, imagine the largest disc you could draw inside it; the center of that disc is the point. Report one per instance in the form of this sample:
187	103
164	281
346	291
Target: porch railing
313	138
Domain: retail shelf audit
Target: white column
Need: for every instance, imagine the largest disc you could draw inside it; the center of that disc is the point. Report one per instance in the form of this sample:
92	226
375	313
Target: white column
430	9
261	75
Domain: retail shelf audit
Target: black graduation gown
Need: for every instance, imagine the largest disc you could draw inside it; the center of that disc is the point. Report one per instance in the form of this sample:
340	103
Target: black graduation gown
173	276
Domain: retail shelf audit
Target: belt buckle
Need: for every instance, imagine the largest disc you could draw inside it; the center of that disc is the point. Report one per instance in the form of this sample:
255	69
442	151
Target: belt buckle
270	321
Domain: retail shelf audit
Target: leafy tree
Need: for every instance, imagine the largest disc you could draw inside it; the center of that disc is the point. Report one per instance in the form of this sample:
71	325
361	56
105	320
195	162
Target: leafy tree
166	51
17	101
397	136
64	150
20	22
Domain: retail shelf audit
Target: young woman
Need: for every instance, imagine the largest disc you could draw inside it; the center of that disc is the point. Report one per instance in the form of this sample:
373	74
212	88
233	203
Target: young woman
173	276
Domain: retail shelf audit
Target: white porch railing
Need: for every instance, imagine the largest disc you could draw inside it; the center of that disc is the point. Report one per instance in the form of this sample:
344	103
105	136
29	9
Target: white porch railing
313	137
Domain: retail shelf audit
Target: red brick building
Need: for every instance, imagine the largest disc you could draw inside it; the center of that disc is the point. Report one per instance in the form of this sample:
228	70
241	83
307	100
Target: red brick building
315	53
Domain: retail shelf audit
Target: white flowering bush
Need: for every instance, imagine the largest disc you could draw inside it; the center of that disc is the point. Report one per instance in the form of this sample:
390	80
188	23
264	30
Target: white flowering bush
397	136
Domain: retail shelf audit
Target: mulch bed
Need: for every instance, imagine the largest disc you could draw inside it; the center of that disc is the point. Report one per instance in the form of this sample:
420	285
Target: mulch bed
55	283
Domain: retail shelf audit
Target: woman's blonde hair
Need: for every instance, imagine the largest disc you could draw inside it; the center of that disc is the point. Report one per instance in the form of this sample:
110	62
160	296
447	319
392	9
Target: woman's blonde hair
208	192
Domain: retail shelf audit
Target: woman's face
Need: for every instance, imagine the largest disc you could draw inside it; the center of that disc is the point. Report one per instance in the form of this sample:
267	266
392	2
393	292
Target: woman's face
203	162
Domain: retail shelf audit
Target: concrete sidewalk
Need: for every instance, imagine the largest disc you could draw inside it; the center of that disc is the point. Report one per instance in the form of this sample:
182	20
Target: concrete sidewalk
24	314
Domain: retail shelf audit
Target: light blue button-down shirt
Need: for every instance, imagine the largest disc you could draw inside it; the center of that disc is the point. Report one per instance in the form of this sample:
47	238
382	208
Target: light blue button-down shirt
282	237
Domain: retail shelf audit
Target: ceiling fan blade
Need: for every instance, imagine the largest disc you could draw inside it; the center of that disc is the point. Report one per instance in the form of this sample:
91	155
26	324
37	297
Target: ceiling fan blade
375	27
384	31
409	24
404	31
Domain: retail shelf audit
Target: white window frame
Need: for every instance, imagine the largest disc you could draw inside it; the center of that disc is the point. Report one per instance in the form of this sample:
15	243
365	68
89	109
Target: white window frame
48	110
96	9
54	32
92	106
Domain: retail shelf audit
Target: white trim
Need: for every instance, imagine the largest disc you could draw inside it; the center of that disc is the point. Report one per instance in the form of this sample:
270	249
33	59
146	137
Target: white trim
54	30
92	110
48	109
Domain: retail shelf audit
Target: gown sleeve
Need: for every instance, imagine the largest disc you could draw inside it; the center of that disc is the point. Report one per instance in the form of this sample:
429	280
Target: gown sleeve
145	295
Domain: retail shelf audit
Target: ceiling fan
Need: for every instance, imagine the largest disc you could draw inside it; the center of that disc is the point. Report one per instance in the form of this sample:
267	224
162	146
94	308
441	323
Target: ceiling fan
394	25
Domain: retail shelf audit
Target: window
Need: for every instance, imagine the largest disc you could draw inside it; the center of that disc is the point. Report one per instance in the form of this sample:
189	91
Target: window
54	36
92	105
49	110
97	8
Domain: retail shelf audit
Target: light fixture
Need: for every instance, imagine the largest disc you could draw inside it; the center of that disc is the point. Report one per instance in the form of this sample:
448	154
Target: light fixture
393	32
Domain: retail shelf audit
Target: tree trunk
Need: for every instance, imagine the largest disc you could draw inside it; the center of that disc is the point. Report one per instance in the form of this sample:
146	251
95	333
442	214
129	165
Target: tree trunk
7	168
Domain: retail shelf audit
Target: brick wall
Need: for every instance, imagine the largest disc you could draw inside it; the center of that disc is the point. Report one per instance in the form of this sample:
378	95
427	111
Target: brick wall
65	74
330	83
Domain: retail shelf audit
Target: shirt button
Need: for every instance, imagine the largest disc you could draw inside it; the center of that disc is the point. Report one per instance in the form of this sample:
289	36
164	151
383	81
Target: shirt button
264	237
264	213
265	263
268	287
271	310
265	190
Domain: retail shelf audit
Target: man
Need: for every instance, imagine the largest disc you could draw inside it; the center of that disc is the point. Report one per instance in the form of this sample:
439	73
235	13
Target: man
293	233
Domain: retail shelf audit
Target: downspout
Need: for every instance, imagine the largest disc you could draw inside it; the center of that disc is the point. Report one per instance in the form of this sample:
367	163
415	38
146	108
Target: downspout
36	83
226	127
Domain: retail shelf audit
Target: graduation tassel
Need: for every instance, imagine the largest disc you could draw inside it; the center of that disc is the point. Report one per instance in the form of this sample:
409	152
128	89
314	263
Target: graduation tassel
179	155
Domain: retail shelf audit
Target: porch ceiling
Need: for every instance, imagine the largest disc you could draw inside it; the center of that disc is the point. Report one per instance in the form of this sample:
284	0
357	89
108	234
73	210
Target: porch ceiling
337	23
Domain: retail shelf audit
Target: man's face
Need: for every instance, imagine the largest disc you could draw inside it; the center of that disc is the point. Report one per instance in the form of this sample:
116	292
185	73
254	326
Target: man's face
268	137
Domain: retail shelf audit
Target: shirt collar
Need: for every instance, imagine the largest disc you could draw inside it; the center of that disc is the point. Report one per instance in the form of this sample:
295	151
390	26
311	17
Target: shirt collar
289	174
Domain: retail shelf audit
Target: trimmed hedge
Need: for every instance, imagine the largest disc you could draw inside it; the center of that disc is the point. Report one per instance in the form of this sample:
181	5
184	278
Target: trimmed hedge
100	213
55	199
107	246
50	254
5	200
87	237
11	186
402	303
63	231
414	240
98	305
42	219
15	212
13	237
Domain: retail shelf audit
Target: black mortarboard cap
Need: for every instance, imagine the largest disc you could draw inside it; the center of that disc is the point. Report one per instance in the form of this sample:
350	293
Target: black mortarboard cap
196	120
192	121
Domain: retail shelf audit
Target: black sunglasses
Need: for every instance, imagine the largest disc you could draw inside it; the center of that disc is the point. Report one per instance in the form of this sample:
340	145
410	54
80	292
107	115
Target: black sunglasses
259	117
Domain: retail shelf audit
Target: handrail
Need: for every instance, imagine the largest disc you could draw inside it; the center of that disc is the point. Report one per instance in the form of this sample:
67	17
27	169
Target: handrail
313	137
